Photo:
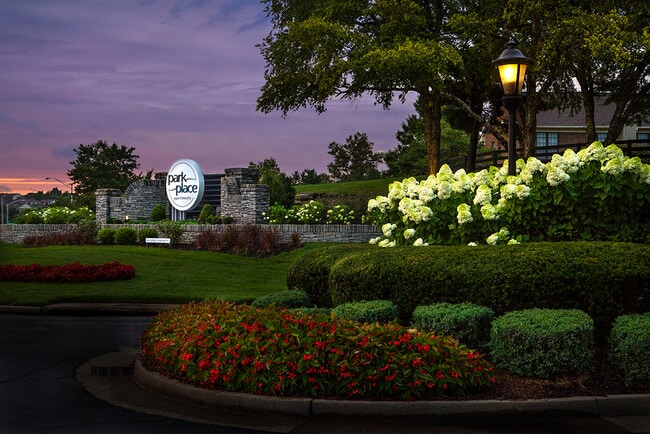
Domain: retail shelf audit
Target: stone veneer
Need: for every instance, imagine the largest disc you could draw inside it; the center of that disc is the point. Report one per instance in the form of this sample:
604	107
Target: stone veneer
242	198
308	233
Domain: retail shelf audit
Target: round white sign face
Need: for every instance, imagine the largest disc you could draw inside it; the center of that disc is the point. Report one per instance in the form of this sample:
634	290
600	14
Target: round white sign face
185	185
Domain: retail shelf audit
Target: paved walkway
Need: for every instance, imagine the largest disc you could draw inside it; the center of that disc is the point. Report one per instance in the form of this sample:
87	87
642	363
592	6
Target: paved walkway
45	359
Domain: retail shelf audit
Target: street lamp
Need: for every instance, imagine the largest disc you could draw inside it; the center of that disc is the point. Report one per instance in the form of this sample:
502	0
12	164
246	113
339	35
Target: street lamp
64	183
512	70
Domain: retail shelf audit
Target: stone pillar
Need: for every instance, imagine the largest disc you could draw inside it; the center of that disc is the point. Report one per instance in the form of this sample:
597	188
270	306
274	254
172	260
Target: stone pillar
242	198
103	203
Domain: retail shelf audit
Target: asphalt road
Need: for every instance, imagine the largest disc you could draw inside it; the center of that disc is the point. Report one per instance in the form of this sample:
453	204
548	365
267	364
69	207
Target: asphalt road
38	389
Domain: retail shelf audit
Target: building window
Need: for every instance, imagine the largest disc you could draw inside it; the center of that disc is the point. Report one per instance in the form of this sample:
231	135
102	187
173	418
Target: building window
643	136
547	140
601	137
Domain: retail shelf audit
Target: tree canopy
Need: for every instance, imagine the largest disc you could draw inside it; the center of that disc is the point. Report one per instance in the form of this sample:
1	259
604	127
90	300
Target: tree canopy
100	165
441	51
354	160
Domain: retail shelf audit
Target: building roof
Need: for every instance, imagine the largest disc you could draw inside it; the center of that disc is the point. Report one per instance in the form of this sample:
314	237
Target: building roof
602	116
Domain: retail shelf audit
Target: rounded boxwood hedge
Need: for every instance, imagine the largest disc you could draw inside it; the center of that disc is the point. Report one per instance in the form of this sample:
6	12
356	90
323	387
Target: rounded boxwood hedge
603	279
289	299
373	311
630	347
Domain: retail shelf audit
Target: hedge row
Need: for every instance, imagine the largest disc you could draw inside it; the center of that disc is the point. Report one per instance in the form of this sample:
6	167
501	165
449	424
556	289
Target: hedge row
603	279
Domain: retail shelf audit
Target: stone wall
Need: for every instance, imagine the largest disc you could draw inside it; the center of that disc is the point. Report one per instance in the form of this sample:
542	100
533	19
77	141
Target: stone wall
136	203
242	198
308	233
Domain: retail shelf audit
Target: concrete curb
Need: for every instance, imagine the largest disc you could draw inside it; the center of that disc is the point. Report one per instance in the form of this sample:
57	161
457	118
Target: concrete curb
307	408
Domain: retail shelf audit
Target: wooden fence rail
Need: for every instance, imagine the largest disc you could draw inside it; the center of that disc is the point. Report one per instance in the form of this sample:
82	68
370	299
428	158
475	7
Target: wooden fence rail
631	148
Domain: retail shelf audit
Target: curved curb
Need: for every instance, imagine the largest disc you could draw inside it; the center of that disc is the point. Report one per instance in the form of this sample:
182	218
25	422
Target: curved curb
308	408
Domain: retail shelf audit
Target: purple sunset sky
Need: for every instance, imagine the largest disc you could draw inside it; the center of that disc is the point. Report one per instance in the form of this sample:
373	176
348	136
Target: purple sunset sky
172	78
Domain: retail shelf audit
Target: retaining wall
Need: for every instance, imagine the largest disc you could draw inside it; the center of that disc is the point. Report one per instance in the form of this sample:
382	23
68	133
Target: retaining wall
308	233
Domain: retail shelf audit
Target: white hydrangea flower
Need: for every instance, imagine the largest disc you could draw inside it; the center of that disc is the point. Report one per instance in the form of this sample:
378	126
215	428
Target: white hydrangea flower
508	191
594	152
574	163
533	166
612	152
419	242
388	228
409	233
464	214
480	178
493	239
431	182
613	167
472	244
444	190
374	240
645	174
513	241
489	212
462	184
556	176
384	243
372	204
384	203
396	191
522	191
445	174
483	195
633	165
426	194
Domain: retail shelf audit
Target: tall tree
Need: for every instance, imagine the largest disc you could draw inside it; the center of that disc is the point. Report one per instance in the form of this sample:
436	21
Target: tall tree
100	165
319	50
354	160
281	189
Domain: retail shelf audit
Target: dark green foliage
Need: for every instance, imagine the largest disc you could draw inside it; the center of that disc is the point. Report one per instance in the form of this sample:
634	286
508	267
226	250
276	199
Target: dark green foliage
86	230
311	271
126	236
158	212
106	236
207	214
374	311
145	233
313	310
630	347
468	323
172	230
543	343
289	299
601	278
100	165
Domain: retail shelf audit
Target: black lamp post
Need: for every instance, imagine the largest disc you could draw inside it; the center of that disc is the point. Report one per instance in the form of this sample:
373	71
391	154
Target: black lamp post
64	183
512	70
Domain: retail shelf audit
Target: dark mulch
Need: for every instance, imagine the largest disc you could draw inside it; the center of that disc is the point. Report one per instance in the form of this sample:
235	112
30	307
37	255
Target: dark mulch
605	380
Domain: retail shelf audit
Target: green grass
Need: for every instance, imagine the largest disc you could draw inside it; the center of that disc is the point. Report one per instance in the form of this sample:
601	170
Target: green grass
162	275
371	189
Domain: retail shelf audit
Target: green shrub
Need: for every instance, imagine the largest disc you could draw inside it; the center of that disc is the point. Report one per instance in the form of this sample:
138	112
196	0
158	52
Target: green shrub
206	214
145	233
86	231
468	323
630	347
374	311
106	236
126	236
158	212
311	213
283	353
313	310
602	279
287	299
172	230
310	272
227	220
543	343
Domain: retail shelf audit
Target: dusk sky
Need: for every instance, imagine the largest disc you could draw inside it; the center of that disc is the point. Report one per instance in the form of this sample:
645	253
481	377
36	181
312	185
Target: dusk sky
172	78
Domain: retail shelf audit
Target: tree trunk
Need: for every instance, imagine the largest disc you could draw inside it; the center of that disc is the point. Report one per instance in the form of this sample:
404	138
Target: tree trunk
587	94
431	115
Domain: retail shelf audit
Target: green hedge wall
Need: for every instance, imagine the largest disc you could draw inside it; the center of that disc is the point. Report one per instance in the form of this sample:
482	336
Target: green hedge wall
603	279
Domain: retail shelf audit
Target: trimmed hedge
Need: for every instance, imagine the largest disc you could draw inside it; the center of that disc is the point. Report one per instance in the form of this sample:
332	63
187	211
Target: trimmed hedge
543	343
145	233
630	347
374	311
603	279
106	236
468	323
288	299
311	271
126	236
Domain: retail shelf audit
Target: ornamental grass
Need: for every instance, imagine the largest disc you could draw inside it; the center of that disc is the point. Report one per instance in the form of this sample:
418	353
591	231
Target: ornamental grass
274	351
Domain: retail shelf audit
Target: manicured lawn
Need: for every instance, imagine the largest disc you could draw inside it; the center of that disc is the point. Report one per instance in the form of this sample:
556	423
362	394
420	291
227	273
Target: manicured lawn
162	275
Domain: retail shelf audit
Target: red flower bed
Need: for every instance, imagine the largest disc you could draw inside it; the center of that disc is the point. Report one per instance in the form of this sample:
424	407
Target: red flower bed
68	273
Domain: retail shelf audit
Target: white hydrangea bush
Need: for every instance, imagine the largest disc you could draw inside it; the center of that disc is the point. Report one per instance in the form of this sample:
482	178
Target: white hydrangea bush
596	193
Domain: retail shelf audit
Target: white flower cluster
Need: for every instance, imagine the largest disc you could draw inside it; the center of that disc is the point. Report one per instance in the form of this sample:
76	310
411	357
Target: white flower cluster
486	196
